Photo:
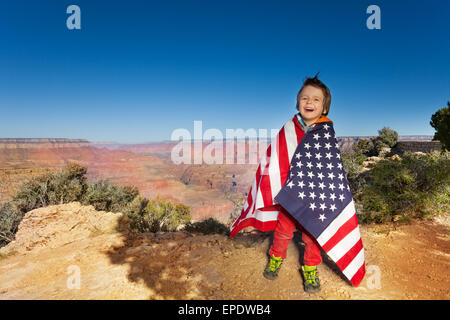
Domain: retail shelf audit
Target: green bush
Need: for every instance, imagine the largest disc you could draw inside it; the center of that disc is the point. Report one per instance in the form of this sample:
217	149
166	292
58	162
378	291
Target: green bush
402	189
10	218
353	165
65	185
106	196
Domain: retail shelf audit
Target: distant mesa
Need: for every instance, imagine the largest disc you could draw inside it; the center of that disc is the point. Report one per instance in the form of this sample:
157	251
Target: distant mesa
38	143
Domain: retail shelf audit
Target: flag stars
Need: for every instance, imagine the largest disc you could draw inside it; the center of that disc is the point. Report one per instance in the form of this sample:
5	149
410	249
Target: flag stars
340	176
326	127
327	135
307	146
328	155
312	195
298	155
322	196
301	184
328	145
341	186
317	146
301	195
310	174
308	154
332	196
316	136
300	174
312	185
318	156
299	164
333	207
331	186
341	197
290	184
321	185
322	217
312	206
330	166
309	165
331	175
319	165
323	206
320	175
339	165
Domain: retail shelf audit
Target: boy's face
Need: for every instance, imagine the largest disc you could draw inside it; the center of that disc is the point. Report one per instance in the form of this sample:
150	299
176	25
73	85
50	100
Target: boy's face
310	104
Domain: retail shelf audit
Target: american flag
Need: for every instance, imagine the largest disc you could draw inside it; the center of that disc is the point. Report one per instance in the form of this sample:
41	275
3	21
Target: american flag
304	174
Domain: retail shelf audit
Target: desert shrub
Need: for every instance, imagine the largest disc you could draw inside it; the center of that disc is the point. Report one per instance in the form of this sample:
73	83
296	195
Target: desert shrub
364	147
157	215
353	165
403	189
106	196
66	185
10	218
208	226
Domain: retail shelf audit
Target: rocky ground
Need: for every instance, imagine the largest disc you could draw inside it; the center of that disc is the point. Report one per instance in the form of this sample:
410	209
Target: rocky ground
74	252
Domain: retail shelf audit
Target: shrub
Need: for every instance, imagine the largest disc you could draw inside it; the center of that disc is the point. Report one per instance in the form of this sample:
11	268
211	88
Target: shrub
10	218
364	147
65	185
353	165
165	216
403	189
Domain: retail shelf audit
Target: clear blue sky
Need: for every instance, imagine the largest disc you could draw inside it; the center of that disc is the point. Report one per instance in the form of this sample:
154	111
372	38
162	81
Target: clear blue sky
137	70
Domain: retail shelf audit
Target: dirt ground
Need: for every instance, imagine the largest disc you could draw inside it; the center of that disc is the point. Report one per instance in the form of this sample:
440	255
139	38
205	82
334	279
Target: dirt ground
410	261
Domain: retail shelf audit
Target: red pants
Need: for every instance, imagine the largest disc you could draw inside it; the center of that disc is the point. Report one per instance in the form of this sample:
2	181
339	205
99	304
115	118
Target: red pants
284	232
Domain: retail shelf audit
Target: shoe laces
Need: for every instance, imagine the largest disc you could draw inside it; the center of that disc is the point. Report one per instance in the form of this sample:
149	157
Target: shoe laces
275	263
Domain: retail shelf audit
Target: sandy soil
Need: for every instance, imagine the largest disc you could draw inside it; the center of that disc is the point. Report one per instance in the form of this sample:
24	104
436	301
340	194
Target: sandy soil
409	261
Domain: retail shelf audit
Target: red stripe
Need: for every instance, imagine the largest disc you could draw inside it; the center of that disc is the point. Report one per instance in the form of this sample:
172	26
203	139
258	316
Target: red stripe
264	187
341	233
253	222
283	156
348	257
359	275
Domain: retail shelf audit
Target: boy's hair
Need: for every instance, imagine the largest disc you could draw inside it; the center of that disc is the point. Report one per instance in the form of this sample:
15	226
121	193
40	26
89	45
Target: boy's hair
315	82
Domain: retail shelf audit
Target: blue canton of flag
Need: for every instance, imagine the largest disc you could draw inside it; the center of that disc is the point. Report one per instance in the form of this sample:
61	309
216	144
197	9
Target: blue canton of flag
316	190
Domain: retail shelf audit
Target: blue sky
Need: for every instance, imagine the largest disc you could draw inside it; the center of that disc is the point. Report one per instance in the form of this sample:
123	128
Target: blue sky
137	70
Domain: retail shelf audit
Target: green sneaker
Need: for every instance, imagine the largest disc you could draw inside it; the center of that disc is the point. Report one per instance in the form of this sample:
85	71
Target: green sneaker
272	268
311	280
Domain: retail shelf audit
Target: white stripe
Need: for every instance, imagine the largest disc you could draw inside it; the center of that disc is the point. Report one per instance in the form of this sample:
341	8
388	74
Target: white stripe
274	168
343	246
354	266
266	215
291	138
333	227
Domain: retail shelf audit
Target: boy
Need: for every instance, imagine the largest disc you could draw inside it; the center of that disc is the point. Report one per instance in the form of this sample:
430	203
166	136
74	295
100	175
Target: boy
301	183
313	103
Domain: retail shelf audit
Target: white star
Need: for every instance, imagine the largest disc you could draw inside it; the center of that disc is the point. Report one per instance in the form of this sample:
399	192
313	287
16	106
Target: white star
323	206
331	175
326	126
312	195
321	185
301	195
322	196
341	197
298	155
322	217
312	206
341	186
328	155
309	165
308	154
300	174
339	165
340	176
327	135
290	184
338	155
337	145
331	186
310	174
330	166
301	184
307	146
318	156
299	164
333	207
348	187
291	175
332	196
316	136
319	165
311	185
317	146
320	175
328	145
